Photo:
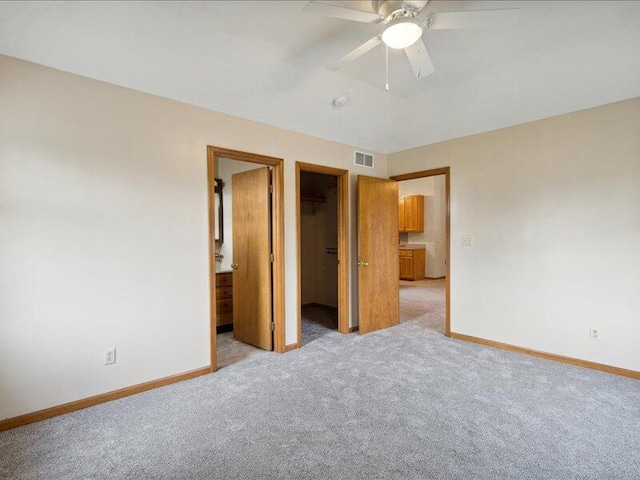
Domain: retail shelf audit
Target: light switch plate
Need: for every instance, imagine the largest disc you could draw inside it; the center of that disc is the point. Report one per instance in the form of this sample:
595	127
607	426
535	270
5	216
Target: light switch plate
467	241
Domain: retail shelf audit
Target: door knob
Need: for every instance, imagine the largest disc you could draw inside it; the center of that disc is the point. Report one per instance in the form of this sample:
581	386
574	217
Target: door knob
234	266
363	264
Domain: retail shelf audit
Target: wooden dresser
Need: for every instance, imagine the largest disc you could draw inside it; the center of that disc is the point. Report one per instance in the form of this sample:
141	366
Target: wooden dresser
412	263
224	298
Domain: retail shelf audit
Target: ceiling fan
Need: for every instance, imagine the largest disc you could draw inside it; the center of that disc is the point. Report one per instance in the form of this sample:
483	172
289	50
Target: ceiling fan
405	23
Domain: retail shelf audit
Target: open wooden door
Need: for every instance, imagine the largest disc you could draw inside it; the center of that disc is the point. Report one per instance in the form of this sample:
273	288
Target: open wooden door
378	264
252	290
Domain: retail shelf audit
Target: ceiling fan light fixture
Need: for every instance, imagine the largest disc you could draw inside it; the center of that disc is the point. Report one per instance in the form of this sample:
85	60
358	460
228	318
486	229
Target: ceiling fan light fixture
402	34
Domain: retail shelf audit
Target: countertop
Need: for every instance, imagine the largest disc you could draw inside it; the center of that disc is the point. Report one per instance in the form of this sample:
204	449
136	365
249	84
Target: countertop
412	246
220	269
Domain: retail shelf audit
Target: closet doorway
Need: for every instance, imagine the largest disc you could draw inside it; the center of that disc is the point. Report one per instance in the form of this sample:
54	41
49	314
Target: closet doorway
322	231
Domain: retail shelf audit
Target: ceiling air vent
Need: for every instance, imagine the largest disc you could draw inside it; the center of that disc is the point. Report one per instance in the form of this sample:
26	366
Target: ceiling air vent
363	159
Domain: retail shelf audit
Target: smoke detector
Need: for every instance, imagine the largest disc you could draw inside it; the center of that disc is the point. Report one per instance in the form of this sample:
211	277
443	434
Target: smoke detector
340	102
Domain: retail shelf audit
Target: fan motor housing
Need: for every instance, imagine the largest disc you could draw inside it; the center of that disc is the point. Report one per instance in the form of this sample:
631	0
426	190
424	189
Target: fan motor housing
385	8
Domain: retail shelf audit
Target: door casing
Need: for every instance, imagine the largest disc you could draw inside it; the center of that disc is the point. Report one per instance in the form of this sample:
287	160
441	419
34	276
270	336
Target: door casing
213	155
432	173
343	242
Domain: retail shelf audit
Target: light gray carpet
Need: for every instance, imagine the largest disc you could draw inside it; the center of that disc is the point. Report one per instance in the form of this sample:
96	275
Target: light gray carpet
318	322
232	351
406	402
424	301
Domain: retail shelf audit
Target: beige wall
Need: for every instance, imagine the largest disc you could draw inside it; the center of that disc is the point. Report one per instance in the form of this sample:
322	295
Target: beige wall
103	231
553	209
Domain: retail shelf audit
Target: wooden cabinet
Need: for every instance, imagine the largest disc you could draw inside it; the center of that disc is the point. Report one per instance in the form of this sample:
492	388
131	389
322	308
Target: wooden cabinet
411	213
412	264
406	267
224	298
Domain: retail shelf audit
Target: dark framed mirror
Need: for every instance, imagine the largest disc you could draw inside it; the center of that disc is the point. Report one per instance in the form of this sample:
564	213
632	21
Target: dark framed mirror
218	208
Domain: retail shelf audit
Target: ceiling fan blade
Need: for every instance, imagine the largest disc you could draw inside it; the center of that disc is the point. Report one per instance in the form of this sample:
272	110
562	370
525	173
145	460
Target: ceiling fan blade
419	59
357	53
341	12
503	18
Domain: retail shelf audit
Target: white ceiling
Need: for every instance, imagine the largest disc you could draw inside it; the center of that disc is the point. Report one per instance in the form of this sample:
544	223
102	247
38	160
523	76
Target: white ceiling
266	60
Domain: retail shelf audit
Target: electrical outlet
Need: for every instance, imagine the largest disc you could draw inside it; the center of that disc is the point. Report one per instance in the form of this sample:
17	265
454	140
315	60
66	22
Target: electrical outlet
594	333
109	356
467	241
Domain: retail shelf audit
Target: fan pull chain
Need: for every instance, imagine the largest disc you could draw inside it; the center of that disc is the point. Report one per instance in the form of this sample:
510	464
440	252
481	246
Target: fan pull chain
386	72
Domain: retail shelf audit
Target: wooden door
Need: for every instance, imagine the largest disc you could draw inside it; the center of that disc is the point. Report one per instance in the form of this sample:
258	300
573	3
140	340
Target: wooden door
252	290
378	269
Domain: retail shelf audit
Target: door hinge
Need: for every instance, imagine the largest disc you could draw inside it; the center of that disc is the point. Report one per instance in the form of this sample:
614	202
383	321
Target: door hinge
270	188
271	258
272	327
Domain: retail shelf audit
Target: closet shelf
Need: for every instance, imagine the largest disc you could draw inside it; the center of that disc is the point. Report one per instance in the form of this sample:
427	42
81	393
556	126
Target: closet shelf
314	201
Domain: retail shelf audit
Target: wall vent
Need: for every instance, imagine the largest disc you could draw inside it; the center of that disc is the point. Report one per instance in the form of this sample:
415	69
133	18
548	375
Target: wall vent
363	159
